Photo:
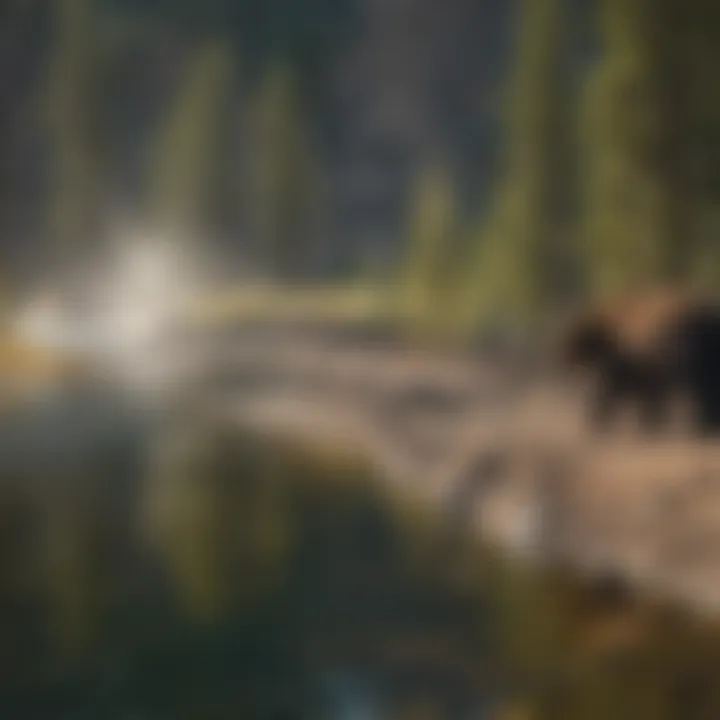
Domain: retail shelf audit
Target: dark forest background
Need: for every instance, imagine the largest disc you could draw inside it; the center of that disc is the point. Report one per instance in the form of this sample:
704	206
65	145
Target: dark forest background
497	158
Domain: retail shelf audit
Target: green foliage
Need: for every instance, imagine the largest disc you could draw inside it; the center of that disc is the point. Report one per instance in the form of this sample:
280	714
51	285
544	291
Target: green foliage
186	176
285	197
74	124
86	71
649	119
622	191
428	274
522	254
705	263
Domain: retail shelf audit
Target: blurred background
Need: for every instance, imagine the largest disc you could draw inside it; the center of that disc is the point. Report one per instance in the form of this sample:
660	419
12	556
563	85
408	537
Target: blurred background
445	171
506	154
500	155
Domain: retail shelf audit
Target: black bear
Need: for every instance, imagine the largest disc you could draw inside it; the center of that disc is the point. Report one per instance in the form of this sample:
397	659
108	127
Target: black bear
648	349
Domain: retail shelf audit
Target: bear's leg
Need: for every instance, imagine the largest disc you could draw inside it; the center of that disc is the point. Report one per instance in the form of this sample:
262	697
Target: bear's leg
606	396
707	403
653	400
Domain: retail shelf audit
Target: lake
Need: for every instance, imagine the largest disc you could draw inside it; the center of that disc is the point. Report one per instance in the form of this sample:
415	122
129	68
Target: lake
185	569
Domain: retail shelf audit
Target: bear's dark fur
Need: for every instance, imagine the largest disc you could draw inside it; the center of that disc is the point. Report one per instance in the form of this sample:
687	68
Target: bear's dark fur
649	349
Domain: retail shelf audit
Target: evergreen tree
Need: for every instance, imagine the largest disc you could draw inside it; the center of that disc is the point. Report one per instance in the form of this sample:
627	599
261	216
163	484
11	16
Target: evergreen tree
74	124
187	175
703	137
284	185
523	255
428	269
637	130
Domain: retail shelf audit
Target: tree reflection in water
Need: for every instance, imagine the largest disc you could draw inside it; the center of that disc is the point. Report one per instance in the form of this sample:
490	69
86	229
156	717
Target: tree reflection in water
235	576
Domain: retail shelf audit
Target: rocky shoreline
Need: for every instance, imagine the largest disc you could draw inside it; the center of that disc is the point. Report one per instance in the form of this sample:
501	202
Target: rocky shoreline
506	456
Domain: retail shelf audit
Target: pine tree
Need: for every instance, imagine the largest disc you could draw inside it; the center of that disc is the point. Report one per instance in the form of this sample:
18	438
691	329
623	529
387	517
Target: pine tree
74	124
523	255
187	171
703	138
636	120
284	183
428	270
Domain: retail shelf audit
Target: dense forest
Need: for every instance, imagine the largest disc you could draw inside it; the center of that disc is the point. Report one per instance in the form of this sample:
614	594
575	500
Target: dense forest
501	157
